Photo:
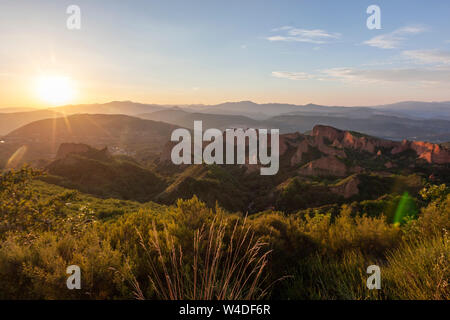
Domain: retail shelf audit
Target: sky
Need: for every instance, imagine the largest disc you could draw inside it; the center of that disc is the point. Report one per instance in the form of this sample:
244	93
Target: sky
208	52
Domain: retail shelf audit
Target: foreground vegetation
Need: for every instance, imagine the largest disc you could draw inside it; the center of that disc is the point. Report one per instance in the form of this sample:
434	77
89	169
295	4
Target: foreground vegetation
129	250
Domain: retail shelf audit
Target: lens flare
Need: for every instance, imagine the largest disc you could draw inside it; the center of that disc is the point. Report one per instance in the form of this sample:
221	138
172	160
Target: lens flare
406	209
15	160
55	90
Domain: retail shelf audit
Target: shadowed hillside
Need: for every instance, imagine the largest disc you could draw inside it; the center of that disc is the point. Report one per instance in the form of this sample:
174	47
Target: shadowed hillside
97	172
121	134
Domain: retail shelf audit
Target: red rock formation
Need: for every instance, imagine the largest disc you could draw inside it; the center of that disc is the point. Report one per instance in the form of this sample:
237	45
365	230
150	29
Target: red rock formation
286	140
328	150
326	166
332	142
358	143
430	152
328	132
400	147
433	153
347	139
303	147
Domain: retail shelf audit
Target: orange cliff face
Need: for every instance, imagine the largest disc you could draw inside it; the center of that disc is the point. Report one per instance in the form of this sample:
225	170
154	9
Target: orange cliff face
325	166
329	145
431	152
330	133
347	139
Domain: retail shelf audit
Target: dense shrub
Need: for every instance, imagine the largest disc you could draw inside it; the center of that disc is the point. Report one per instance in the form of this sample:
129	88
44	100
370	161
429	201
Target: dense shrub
128	250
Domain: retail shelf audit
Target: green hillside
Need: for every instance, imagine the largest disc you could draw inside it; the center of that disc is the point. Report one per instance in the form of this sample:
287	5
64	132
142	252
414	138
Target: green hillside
122	246
93	172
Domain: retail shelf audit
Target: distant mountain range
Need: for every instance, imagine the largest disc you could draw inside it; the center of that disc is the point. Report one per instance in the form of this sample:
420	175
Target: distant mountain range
114	107
325	165
429	121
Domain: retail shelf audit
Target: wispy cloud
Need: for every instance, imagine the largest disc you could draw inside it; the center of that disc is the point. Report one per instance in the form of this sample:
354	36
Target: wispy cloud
292	75
291	34
428	56
393	39
436	75
359	75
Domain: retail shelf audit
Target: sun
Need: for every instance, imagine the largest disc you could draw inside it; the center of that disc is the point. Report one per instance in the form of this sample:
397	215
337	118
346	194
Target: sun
55	90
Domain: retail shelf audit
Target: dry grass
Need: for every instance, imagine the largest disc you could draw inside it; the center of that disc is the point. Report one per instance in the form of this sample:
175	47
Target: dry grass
217	270
419	270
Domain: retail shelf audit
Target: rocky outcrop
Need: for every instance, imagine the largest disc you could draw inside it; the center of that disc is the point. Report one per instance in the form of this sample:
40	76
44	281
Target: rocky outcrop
359	143
349	139
302	148
328	132
430	152
403	146
328	150
433	153
326	166
331	143
287	140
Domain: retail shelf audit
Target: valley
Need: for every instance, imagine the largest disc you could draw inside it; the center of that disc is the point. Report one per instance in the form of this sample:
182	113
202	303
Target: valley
97	182
129	158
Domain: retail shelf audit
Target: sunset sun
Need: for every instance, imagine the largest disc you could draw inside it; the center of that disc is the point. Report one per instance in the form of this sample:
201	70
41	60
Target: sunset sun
55	90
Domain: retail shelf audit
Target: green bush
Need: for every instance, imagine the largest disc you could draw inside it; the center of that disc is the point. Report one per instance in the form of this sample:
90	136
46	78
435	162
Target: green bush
319	253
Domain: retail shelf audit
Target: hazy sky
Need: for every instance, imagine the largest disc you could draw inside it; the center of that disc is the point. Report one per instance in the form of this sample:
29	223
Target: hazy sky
215	51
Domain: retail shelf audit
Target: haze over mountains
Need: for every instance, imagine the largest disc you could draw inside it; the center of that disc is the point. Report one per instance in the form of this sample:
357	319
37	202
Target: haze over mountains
428	121
10	121
137	141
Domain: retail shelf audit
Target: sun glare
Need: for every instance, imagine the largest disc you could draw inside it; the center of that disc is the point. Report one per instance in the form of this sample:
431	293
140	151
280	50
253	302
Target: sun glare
55	90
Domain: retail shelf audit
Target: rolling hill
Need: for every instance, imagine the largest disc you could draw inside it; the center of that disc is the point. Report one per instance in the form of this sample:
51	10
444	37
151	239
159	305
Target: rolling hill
97	172
405	120
10	121
121	134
